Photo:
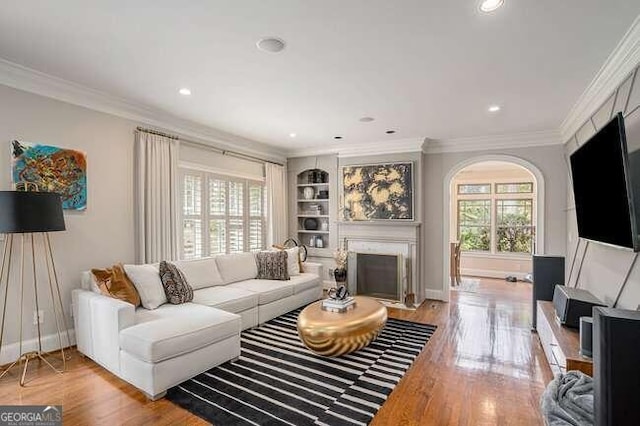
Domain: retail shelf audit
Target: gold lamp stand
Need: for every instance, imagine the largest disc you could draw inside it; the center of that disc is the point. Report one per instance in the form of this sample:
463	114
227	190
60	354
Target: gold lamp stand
54	292
29	214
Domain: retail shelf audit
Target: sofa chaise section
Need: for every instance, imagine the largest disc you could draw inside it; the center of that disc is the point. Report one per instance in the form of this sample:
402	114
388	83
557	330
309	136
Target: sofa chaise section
170	344
154	350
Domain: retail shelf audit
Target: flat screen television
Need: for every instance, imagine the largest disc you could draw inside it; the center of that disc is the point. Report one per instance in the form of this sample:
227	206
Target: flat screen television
603	187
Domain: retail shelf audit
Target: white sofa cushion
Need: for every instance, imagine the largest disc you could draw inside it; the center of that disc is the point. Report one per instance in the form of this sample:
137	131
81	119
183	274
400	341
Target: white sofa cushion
146	279
173	330
237	267
226	298
293	264
267	290
303	282
200	273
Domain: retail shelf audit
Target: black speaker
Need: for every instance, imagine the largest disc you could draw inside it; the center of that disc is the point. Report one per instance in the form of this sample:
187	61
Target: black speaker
586	336
616	368
548	271
572	303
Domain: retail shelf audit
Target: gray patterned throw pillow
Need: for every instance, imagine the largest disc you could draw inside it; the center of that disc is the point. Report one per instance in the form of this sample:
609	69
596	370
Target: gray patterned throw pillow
272	265
175	285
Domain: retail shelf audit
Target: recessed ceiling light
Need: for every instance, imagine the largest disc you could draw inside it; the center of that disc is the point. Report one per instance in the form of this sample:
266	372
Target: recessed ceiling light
184	91
494	108
271	44
390	132
337	137
490	5
367	119
292	135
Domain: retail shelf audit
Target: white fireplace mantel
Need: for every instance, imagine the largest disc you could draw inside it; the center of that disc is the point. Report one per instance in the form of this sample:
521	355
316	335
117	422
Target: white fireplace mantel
388	237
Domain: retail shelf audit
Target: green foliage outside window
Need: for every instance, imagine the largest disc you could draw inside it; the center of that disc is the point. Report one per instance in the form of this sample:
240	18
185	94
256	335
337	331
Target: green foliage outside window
514	230
474	219
515	234
475	238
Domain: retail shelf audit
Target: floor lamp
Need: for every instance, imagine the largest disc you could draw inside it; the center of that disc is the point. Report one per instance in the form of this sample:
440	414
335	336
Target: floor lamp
27	215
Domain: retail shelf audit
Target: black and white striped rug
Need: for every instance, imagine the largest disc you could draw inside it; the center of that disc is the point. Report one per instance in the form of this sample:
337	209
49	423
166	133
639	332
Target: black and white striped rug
278	381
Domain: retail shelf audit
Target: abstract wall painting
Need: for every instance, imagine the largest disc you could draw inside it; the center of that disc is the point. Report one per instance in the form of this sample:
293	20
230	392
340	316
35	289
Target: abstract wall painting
51	169
378	192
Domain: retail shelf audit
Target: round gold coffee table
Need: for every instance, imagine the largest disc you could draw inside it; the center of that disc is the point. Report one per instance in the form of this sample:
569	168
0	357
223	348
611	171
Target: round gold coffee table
334	334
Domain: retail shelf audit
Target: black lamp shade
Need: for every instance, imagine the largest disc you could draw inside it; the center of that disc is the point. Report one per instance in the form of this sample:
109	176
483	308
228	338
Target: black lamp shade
30	212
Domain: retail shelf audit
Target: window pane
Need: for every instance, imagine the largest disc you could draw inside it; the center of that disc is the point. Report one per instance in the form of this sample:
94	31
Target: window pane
255	235
482	188
474	224
514	222
514	188
236	236
236	194
217	237
474	212
192	195
255	200
476	238
192	238
217	197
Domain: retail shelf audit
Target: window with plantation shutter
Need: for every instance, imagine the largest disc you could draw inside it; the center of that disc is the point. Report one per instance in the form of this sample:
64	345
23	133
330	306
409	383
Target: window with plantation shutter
221	214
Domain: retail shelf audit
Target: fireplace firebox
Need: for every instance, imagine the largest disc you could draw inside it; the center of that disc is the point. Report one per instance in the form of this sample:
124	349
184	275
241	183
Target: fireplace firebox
377	275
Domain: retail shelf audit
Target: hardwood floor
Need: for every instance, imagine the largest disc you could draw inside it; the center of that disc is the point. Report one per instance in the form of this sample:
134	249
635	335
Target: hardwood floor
483	366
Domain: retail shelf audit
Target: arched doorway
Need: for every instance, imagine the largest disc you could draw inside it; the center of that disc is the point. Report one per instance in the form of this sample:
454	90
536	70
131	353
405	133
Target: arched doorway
494	205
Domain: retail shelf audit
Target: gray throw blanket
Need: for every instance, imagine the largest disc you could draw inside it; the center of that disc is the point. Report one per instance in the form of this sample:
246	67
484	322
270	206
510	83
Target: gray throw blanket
568	400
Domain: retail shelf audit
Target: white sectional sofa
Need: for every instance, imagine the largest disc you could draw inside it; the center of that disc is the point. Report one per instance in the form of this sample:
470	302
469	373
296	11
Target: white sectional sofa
160	348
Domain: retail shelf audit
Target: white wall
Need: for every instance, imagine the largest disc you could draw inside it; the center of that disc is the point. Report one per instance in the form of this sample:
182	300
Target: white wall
101	235
604	268
548	159
104	233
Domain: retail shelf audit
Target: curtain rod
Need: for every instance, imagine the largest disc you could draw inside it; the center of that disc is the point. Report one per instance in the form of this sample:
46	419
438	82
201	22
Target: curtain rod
213	148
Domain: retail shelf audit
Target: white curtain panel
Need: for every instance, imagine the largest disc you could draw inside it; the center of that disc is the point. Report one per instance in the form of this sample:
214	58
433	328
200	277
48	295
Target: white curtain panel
156	198
276	182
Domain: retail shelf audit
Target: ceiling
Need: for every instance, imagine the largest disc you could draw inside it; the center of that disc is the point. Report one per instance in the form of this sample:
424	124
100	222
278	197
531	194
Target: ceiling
424	68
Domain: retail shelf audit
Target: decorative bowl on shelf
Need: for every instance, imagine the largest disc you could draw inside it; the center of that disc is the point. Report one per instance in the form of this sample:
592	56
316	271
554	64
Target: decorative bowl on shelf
310	224
323	195
315	209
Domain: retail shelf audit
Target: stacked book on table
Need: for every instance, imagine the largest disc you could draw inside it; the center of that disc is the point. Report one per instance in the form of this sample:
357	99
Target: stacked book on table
337	305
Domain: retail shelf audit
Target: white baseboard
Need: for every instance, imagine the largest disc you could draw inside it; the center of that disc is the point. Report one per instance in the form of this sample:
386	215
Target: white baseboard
434	294
11	352
489	273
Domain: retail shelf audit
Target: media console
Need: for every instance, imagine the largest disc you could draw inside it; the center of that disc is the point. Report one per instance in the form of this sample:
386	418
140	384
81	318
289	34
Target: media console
561	345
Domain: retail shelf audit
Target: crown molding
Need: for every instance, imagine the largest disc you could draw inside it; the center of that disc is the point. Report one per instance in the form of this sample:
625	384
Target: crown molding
484	143
618	66
396	146
33	81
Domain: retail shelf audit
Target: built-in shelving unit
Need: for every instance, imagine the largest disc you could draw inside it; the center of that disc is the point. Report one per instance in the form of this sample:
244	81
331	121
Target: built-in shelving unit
319	177
312	208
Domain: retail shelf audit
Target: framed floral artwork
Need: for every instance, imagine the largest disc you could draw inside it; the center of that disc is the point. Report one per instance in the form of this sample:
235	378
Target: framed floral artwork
378	192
